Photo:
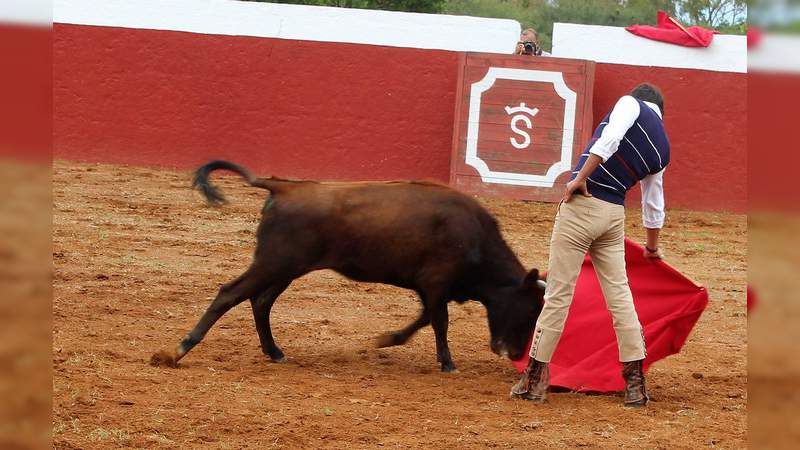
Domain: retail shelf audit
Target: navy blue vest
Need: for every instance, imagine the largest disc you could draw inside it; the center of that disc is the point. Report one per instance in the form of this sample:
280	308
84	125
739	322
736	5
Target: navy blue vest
643	151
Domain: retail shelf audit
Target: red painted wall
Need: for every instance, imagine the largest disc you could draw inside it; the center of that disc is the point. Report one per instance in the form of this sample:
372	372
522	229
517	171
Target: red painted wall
772	99
27	94
706	120
339	111
290	108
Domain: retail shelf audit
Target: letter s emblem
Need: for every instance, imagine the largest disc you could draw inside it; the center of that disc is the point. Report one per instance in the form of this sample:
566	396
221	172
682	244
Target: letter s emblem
526	138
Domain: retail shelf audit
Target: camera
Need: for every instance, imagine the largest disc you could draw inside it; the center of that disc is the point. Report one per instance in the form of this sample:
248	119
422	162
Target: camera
530	48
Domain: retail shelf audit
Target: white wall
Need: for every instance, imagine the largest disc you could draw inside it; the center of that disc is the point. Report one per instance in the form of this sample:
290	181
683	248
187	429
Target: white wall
26	12
615	45
776	53
316	23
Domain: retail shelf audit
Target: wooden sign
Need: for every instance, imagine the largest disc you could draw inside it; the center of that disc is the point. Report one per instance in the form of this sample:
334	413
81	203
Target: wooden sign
521	123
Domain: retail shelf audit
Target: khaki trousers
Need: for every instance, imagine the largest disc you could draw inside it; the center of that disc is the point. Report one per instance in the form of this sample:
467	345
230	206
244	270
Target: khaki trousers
587	224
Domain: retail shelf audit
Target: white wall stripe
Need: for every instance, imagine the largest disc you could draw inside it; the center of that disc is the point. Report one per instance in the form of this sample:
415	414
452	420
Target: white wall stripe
772	54
26	12
314	23
615	45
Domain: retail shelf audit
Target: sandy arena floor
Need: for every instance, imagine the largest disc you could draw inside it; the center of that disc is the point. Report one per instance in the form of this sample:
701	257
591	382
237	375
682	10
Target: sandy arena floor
138	257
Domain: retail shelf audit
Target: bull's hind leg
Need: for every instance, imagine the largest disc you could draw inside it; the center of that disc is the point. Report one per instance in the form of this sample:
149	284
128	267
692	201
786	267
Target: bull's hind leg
401	337
246	286
261	309
434	303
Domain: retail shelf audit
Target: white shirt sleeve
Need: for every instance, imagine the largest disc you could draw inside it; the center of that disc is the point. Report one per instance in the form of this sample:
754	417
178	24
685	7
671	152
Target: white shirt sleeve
653	200
622	117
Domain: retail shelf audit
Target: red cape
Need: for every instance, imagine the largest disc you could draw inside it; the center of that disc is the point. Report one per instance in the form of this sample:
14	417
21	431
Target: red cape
672	31
668	305
754	37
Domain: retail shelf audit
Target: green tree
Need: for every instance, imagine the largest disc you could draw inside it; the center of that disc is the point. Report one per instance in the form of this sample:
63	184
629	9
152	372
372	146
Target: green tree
714	13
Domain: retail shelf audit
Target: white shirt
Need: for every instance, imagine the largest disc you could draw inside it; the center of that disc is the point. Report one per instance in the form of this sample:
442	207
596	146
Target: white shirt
622	117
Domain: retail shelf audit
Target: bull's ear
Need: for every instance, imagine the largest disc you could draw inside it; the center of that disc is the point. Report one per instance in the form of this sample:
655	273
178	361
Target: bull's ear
531	279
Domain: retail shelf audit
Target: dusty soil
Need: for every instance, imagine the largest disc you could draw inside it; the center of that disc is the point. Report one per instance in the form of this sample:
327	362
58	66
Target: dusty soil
773	366
138	256
25	314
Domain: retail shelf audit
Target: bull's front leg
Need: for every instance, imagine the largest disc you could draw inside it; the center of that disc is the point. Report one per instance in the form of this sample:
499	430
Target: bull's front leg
439	322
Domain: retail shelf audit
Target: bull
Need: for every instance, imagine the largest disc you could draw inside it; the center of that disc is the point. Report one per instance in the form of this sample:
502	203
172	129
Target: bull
417	235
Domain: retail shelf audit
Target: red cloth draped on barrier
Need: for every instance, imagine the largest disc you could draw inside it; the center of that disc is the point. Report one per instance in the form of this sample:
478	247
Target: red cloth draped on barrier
754	37
670	30
668	304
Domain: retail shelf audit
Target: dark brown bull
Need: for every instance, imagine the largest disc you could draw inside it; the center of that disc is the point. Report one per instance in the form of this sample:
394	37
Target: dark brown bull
412	234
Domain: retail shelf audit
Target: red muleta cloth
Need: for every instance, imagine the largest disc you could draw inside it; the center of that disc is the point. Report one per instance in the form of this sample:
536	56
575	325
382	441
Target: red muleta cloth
671	31
754	37
668	305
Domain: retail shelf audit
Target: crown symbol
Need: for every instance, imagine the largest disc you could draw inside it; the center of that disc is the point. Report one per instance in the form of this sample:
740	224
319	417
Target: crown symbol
521	108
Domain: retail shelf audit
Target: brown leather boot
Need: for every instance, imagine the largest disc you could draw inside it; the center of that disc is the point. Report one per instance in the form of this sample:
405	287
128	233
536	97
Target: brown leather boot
635	393
534	382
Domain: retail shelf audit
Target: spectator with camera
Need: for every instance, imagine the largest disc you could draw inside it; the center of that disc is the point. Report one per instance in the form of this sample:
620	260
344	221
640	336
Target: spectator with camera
529	44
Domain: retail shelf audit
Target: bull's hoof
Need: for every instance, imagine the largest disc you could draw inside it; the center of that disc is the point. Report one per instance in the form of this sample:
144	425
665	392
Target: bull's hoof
276	355
449	368
387	340
162	358
278	359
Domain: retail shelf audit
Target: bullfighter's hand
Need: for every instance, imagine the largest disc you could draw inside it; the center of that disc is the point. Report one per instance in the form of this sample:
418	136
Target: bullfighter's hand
653	255
574	186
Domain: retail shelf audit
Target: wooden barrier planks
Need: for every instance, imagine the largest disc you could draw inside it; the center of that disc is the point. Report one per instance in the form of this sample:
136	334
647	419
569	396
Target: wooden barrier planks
520	124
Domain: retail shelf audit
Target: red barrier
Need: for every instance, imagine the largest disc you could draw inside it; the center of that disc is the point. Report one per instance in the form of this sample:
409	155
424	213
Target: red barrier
289	108
25	86
339	111
706	120
772	99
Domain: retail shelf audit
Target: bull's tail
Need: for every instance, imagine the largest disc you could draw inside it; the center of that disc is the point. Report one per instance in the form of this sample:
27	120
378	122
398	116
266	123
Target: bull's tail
210	192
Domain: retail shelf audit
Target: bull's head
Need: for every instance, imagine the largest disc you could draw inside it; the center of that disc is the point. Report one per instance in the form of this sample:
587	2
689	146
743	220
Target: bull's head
512	313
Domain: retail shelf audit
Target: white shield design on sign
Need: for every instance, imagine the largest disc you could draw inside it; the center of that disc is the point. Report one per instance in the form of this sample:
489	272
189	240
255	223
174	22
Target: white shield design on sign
521	179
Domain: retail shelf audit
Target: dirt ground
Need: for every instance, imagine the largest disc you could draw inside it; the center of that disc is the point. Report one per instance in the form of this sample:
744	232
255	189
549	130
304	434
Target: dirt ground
138	257
25	304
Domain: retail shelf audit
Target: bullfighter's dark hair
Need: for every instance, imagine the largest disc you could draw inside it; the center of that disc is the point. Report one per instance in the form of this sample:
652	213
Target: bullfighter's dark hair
647	92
